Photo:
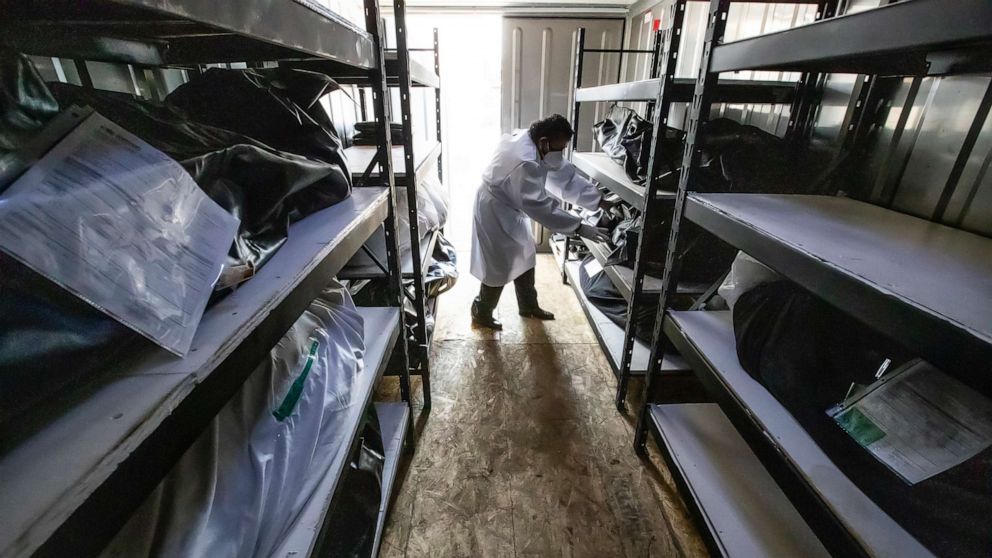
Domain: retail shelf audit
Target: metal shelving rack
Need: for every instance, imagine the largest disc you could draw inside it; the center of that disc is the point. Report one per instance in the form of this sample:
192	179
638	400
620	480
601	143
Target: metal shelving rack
923	283
414	162
650	199
72	476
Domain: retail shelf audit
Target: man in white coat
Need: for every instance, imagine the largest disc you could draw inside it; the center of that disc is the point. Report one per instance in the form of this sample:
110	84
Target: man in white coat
527	166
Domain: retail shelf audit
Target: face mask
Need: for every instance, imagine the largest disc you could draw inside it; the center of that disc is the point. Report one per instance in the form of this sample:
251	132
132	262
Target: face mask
553	160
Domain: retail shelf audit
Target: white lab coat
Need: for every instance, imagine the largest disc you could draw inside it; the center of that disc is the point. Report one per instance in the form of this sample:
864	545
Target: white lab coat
514	190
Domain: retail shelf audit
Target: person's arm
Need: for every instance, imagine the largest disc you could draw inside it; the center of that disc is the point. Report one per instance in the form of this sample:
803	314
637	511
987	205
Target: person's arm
529	195
573	188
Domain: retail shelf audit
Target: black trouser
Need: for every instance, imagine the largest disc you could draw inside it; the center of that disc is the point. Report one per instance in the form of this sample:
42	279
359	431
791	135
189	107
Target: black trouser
524	287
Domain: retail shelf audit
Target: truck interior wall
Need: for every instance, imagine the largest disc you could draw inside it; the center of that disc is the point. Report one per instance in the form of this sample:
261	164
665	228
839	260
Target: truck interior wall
745	20
538	68
909	159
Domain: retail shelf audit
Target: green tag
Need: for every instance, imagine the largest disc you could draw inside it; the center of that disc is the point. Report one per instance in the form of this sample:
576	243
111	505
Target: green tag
860	427
293	396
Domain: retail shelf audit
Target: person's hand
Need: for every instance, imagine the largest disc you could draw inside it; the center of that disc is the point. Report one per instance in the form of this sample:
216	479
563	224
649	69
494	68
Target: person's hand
606	203
594	234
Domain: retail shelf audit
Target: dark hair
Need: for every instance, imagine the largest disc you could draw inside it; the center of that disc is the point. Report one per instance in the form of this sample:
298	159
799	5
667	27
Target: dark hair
552	127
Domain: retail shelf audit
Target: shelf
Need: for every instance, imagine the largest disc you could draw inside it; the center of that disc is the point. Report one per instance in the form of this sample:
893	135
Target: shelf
359	157
926	285
381	331
599	167
728	91
420	75
362	267
184	32
743	512
394	420
76	479
611	336
844	517
897	39
622	277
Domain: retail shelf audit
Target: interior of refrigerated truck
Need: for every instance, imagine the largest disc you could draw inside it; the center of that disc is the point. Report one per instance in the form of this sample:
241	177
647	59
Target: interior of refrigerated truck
523	452
416	278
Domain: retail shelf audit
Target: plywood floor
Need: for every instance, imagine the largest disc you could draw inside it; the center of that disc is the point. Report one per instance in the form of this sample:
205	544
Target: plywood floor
523	452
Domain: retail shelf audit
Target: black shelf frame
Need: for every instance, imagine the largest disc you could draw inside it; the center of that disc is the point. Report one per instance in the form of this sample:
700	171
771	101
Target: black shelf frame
420	353
865	42
183	33
179	397
412	168
661	91
916	37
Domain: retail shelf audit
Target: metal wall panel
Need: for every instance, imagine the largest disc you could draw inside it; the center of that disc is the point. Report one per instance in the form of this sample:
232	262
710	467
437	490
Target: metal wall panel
537	69
971	206
946	116
744	20
912	154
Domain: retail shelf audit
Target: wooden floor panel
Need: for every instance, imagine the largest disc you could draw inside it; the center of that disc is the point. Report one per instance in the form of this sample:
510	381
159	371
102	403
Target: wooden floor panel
523	452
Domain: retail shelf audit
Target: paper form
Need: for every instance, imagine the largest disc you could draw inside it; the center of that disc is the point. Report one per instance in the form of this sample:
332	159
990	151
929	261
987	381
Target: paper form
918	421
122	226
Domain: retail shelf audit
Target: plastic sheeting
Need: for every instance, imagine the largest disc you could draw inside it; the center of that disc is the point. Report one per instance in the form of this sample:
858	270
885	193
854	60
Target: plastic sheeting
807	354
432	210
443	272
365	133
265	188
240	487
122	226
26	105
603	295
49	341
745	274
626	138
279	107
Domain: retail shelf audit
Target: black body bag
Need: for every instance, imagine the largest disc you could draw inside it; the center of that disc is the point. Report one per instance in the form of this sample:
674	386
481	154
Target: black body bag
626	138
603	295
354	512
807	353
50	340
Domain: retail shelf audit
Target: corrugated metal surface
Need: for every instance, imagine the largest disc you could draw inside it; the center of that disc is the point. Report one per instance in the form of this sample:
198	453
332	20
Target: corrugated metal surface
745	20
537	68
910	157
912	154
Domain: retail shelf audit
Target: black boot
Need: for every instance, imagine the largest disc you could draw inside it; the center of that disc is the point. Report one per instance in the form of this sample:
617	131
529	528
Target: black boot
536	312
483	317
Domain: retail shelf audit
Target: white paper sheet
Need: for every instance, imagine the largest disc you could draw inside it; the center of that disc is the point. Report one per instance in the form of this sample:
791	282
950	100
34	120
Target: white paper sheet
122	226
918	421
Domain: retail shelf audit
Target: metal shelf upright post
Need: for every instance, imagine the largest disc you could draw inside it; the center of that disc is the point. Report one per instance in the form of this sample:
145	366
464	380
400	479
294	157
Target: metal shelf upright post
378	78
652	208
421	350
412	162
